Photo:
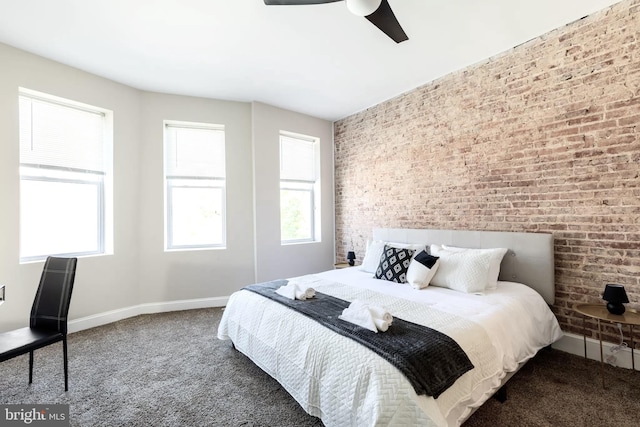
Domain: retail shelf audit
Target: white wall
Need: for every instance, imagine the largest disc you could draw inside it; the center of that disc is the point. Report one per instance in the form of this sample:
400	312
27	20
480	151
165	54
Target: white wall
140	276
102	283
167	276
274	260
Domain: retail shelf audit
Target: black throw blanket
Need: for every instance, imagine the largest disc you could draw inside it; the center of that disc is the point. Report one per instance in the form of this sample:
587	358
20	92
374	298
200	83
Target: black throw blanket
430	360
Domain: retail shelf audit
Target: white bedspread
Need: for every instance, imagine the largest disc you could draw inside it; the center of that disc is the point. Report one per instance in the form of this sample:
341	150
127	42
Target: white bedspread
343	383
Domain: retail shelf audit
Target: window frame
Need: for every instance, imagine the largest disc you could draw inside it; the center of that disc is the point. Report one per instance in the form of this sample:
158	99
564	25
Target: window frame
285	185
99	184
170	246
313	189
172	182
60	174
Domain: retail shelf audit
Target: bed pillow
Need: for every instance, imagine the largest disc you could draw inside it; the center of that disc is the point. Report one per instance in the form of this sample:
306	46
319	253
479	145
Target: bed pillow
494	268
394	264
422	269
374	252
464	271
372	256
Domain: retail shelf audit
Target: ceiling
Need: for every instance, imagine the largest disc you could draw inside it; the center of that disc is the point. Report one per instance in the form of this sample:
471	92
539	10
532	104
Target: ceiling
318	59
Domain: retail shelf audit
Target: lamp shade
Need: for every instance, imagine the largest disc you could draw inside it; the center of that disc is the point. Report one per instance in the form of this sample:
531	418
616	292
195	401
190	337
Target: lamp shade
351	256
615	295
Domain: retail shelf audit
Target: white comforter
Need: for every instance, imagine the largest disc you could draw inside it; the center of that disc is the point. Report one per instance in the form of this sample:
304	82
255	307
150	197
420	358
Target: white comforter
345	384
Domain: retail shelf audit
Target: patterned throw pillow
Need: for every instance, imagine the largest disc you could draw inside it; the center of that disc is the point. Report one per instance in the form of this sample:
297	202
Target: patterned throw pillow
394	263
422	269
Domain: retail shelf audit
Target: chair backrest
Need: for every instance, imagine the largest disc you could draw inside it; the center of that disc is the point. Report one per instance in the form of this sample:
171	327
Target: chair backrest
51	304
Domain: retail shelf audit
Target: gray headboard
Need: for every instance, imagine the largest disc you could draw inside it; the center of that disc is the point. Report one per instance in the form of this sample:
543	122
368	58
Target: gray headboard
529	259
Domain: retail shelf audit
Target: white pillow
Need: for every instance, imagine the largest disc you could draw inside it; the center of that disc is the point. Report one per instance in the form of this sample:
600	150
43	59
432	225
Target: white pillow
494	268
374	252
464	271
372	256
422	269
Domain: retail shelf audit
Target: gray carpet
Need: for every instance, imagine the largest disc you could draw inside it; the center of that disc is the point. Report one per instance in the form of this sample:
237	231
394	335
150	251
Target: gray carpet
170	370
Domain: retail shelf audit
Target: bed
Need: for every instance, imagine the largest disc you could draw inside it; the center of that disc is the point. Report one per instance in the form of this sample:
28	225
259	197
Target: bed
343	383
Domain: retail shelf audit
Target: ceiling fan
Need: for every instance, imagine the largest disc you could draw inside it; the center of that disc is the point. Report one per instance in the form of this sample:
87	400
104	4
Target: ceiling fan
378	12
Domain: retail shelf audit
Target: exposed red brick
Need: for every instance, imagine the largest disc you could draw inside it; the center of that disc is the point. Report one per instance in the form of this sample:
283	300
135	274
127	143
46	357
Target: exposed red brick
542	138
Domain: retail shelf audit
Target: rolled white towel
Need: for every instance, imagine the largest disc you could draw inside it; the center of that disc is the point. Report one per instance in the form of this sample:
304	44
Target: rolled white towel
362	313
360	317
293	290
382	325
304	293
288	290
377	312
380	313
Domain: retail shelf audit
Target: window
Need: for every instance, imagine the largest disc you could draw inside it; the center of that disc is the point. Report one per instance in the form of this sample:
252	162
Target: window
65	177
195	185
299	188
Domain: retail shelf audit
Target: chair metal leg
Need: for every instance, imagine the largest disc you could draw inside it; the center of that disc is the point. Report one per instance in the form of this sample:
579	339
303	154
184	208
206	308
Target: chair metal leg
66	365
30	367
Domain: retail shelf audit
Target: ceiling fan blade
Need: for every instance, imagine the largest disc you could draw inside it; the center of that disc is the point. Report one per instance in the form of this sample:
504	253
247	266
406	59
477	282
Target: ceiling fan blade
297	2
386	21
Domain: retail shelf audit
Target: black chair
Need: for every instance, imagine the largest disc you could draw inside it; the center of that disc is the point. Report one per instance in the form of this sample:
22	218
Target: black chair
48	322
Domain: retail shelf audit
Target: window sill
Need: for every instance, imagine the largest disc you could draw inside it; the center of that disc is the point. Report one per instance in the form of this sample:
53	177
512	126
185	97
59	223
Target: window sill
303	242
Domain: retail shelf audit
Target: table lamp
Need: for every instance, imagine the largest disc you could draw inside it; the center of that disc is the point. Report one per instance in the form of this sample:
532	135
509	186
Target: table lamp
615	295
351	256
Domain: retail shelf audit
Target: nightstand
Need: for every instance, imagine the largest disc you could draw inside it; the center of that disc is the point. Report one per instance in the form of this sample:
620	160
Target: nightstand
599	312
342	265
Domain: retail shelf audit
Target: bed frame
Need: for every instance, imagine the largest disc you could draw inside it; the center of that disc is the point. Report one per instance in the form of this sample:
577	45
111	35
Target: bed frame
528	261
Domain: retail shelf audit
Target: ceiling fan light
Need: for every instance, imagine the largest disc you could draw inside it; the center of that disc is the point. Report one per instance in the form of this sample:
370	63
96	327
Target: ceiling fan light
363	7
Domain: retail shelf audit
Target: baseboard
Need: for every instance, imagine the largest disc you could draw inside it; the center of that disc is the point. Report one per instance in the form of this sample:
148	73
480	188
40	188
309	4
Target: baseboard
574	344
148	308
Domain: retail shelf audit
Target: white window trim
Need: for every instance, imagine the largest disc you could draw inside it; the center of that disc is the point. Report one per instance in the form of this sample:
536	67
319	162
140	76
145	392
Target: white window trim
104	184
315	189
217	182
311	190
100	204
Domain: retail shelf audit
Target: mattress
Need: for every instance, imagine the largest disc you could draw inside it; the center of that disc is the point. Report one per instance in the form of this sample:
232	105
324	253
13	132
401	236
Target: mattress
343	383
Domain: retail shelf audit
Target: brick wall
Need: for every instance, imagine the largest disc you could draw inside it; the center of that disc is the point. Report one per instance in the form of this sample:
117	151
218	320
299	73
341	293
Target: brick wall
542	138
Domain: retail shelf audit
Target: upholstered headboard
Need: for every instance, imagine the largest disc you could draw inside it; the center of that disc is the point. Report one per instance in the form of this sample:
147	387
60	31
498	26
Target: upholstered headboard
529	259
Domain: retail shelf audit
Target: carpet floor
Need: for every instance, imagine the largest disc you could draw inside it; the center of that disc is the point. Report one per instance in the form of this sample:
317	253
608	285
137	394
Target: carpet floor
169	369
